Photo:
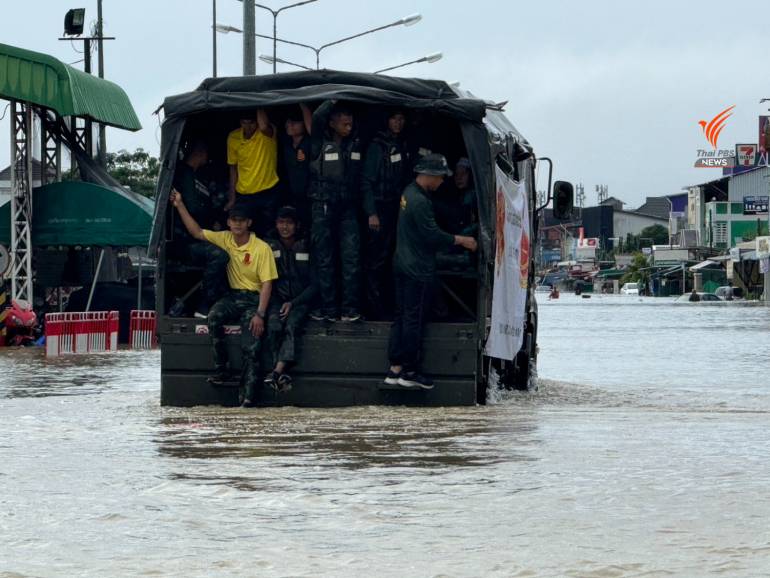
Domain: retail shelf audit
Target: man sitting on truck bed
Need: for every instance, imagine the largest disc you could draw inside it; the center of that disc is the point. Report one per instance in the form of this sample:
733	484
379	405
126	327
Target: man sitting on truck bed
293	296
334	191
250	272
252	155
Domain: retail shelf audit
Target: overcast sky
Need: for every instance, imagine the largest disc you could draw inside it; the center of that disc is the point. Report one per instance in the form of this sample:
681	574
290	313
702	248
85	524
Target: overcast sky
612	91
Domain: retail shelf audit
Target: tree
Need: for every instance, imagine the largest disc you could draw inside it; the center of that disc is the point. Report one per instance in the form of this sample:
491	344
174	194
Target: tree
136	170
638	271
658	234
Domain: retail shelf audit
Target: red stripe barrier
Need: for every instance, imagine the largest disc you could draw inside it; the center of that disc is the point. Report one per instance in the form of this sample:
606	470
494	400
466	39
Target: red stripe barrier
91	332
142	331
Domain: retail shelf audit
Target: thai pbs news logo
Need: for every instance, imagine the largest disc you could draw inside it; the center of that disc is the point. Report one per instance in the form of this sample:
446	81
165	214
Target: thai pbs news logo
744	155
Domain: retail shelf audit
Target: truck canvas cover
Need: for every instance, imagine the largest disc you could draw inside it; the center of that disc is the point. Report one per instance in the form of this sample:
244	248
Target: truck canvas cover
244	93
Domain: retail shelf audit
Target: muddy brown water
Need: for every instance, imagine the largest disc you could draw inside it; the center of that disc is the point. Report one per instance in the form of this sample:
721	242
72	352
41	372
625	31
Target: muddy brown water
644	453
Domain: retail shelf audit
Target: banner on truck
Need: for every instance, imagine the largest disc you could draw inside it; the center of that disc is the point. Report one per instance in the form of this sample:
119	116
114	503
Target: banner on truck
512	253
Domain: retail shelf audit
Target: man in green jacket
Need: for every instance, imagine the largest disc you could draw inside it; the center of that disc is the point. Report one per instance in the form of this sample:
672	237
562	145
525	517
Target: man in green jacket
418	240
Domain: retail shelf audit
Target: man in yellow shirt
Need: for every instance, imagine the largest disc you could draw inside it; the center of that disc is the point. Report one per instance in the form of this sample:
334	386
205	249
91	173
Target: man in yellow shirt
250	273
252	155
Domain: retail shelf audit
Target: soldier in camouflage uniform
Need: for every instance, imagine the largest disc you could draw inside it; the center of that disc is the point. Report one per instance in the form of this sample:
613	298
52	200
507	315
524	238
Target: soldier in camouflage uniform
387	171
295	291
334	191
250	273
198	202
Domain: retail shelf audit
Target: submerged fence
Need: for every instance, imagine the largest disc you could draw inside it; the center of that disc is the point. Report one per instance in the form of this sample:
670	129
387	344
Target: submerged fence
142	332
90	332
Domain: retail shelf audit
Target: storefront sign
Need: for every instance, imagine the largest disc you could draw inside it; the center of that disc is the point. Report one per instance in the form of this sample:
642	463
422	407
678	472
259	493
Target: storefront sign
747	154
755	204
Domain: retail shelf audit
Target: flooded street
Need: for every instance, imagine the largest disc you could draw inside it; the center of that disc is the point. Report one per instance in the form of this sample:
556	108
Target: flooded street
644	453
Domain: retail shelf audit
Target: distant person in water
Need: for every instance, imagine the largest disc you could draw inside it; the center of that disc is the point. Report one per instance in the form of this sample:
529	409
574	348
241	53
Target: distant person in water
554	294
694	296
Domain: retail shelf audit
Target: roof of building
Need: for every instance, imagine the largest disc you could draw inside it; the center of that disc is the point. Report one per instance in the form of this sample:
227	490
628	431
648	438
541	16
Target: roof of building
656	206
612	201
44	81
37	171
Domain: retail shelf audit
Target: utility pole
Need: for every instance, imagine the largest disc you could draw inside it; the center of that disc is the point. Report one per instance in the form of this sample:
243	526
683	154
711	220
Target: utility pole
214	36
102	148
249	40
766	291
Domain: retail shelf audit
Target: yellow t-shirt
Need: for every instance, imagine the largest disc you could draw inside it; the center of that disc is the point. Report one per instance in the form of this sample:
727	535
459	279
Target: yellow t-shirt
250	265
256	159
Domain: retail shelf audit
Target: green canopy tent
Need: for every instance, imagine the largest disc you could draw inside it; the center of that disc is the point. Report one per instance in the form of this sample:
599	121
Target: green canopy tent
75	213
79	213
40	79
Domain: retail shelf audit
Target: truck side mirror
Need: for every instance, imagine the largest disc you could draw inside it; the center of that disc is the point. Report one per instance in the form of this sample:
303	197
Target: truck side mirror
563	200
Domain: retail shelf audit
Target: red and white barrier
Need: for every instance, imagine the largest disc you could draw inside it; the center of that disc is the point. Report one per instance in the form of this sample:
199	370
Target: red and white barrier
90	332
142	333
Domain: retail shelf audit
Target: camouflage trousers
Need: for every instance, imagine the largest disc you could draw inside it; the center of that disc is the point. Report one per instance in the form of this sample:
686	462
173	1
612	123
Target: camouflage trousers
335	235
236	307
282	334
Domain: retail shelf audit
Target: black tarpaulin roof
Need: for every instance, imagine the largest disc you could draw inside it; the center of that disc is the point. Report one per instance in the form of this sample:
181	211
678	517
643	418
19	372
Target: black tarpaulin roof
238	93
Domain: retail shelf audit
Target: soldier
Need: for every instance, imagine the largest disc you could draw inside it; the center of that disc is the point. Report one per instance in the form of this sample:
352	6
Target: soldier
334	194
294	167
213	259
252	155
386	173
294	293
250	272
418	240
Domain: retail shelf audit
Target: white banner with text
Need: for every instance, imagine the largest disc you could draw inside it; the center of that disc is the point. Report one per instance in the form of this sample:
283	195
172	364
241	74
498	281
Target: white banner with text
512	255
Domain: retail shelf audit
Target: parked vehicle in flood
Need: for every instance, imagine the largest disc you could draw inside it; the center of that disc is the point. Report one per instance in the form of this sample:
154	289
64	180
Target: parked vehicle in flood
630	289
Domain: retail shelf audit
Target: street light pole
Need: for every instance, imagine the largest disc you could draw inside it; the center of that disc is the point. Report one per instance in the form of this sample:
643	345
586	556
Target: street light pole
405	21
214	37
275	14
271	60
101	150
249	46
430	58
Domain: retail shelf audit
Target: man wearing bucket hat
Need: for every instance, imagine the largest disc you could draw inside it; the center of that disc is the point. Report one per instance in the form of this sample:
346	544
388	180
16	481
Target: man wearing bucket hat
418	240
250	273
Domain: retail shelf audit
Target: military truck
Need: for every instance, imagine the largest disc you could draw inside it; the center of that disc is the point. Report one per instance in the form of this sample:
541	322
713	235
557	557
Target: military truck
343	364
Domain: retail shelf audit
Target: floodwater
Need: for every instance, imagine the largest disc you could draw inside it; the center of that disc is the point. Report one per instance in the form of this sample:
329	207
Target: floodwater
644	453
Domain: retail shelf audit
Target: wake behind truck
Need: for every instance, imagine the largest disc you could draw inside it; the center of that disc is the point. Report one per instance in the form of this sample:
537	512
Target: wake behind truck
482	332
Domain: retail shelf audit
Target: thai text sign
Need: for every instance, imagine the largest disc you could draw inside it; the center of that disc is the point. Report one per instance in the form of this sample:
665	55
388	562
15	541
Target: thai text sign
755	204
512	252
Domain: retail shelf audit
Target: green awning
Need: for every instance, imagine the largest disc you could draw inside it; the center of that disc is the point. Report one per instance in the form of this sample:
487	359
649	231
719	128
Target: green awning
45	81
611	273
78	213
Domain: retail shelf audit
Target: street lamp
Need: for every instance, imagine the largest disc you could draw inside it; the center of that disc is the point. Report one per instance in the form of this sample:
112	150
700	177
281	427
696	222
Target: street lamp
405	21
275	14
410	20
271	60
225	29
430	58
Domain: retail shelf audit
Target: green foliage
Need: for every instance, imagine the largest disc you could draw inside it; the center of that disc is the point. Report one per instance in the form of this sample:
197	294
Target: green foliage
657	233
136	170
638	271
